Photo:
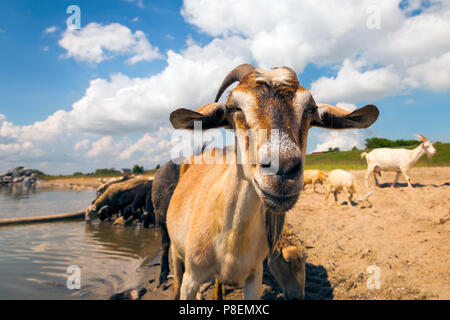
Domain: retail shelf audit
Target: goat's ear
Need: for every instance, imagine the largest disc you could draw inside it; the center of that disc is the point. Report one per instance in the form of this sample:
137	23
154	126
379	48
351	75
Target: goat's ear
332	117
213	115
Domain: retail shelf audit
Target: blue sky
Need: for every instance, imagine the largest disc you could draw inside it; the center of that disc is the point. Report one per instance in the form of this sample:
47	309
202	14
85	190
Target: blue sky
65	108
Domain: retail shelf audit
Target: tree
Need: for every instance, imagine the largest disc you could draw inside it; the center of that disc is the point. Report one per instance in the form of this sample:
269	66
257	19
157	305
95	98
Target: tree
78	173
355	148
333	149
137	169
157	166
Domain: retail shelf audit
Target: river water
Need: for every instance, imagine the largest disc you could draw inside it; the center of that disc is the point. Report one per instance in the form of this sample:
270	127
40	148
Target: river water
34	259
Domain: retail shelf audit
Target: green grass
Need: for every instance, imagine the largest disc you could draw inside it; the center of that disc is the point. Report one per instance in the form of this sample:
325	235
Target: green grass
351	160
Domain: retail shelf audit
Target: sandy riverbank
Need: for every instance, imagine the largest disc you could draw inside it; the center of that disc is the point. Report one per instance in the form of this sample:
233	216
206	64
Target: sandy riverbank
76	183
406	234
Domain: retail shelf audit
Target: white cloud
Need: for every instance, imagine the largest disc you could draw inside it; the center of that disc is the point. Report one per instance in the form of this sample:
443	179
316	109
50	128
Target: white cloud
2	30
344	140
355	85
82	145
139	3
95	43
50	29
434	74
123	105
372	64
135	19
406	53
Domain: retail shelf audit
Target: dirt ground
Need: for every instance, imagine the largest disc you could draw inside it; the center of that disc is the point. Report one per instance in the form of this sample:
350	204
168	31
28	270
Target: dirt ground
405	235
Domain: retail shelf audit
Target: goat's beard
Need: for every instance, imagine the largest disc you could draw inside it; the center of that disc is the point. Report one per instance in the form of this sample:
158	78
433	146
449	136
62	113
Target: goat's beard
429	156
274	226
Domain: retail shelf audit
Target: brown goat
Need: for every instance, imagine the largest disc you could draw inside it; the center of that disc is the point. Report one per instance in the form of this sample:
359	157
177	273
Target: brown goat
224	218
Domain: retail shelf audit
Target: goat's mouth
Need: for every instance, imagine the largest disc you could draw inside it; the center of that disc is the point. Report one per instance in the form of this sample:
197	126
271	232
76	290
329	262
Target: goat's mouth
277	201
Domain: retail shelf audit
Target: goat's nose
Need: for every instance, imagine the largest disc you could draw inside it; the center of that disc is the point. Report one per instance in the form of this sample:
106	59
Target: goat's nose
290	167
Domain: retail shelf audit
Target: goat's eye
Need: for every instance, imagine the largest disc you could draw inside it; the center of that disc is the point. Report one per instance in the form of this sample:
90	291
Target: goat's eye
234	109
311	109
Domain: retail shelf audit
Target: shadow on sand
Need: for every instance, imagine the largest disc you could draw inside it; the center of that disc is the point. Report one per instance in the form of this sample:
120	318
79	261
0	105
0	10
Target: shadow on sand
415	185
317	286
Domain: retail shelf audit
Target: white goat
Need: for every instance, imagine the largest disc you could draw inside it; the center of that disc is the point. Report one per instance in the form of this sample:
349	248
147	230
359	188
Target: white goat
398	160
340	180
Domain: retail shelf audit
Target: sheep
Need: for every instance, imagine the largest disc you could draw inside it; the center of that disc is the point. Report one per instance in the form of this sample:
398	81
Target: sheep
398	160
340	180
224	219
313	177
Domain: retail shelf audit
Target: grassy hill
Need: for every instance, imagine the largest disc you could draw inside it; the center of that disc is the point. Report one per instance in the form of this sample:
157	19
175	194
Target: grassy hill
351	160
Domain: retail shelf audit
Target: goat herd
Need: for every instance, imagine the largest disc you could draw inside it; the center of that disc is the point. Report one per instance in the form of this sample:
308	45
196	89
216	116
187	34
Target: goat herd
221	220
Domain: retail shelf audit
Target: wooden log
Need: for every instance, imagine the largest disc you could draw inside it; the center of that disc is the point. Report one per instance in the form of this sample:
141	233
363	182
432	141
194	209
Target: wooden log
43	219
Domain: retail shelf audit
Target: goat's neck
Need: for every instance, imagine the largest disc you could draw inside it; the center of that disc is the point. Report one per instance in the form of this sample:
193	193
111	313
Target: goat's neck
416	154
245	203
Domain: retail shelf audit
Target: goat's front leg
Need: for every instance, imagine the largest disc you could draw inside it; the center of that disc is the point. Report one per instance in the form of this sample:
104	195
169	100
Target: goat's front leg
189	286
349	198
405	173
253	285
397	175
375	178
178	270
336	199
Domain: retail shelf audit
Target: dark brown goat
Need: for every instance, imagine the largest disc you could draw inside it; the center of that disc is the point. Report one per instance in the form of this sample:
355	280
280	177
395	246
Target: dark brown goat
164	183
124	196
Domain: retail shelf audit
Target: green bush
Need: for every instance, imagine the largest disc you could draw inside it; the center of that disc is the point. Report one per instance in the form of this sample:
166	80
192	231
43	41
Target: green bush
138	169
106	171
372	143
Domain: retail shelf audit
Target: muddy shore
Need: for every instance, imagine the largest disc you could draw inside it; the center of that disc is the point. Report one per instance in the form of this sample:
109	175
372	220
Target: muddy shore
405	235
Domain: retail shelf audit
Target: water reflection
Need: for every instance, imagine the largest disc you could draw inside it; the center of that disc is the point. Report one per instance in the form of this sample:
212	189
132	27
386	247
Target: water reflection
133	240
34	258
20	201
17	190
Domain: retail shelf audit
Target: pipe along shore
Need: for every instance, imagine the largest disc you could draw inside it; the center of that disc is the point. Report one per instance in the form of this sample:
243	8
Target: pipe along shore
43	219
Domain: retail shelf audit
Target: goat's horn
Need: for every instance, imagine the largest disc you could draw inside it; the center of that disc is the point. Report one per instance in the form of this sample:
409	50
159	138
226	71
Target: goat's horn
294	74
421	137
237	74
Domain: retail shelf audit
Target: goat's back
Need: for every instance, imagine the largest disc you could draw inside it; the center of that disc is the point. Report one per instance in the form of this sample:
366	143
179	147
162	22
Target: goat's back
164	184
